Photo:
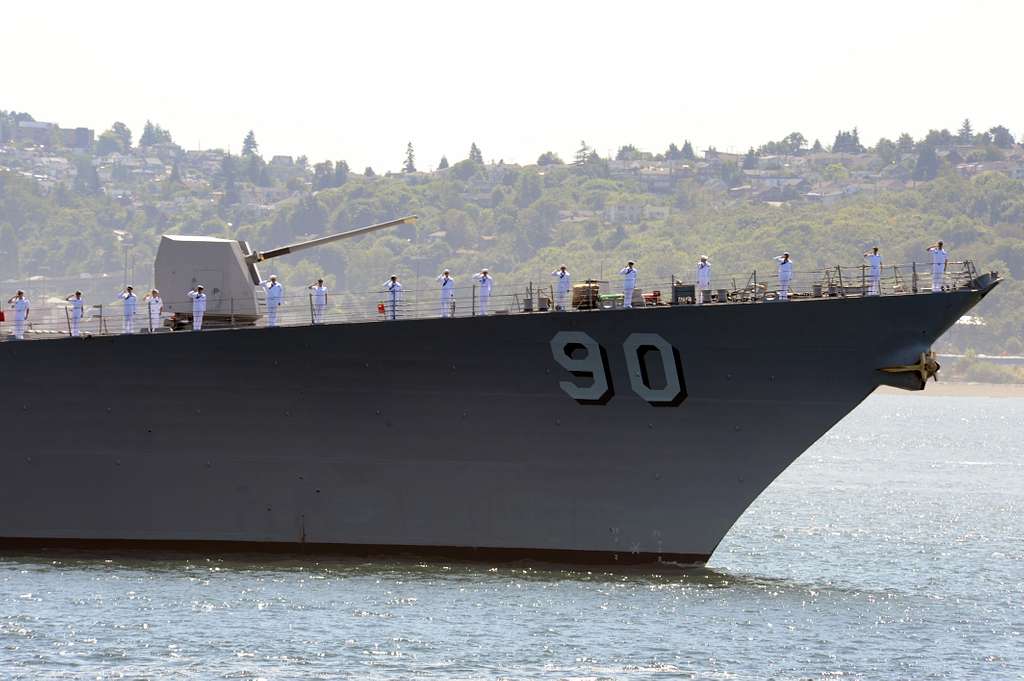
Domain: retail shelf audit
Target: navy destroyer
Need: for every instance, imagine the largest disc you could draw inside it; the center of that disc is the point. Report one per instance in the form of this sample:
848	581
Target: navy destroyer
592	435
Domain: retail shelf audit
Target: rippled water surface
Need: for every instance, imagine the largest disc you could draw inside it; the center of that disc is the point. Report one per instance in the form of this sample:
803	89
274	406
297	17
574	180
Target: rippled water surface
893	549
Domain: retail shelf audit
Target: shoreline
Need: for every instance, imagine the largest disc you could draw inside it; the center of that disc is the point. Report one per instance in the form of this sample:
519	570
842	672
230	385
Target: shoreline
947	389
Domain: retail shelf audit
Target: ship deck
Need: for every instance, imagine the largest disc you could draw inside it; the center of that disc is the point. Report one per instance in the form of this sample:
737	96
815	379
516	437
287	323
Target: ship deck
51	318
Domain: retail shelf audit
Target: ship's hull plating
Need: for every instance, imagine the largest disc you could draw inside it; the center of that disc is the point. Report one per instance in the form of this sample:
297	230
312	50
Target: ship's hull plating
437	436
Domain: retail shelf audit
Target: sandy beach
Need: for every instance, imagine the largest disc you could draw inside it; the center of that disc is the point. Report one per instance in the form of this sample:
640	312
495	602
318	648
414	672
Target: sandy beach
947	389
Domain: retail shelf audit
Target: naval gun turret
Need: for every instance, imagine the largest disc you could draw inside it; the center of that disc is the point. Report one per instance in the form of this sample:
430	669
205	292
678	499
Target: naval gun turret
226	268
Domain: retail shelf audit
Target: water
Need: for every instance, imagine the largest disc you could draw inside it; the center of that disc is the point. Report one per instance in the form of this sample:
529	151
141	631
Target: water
893	549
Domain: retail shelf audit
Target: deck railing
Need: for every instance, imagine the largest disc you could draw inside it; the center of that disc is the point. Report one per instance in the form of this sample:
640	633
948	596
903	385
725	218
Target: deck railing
53	320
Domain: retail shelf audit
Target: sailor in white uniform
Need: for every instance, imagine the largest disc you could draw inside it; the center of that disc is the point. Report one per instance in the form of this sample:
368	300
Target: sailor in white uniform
447	293
154	308
130	301
393	287
939	260
198	307
77	306
485	281
703	278
874	271
275	298
785	275
628	283
563	285
22	307
319	300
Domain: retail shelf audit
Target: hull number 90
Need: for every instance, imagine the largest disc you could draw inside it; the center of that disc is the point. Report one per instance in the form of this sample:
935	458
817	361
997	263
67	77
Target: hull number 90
652	364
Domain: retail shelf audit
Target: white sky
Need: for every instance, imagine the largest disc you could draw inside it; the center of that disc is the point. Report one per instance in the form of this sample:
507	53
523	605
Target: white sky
356	81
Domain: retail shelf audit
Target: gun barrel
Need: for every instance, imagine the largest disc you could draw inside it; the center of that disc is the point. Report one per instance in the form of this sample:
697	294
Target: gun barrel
257	256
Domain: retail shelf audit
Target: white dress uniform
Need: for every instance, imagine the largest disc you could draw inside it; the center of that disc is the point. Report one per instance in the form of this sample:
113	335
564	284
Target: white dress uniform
275	297
153	306
130	301
628	284
394	301
785	276
939	258
77	312
319	303
447	294
21	308
485	281
703	280
874	273
198	309
562	288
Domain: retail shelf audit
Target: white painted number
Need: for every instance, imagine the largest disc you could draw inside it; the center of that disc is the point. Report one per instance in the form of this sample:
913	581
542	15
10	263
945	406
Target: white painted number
583	357
638	350
594	365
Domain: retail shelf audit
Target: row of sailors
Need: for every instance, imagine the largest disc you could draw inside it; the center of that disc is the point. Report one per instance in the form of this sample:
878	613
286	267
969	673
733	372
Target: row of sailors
484	280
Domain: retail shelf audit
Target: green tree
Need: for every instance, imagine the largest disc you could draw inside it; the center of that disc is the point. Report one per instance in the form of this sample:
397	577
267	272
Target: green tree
886	150
1001	137
368	172
905	143
302	162
687	151
122	131
249	145
256	170
341	172
817	148
965	134
582	154
750	160
409	166
474	154
108	143
927	166
443	165
153	134
549	158
528	189
323	175
87	180
627	152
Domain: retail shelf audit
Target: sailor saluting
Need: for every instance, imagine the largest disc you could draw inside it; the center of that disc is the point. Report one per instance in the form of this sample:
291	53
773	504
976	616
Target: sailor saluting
154	308
319	300
198	307
703	278
939	260
486	281
874	271
77	312
394	291
628	283
22	307
275	297
447	293
563	285
130	300
785	275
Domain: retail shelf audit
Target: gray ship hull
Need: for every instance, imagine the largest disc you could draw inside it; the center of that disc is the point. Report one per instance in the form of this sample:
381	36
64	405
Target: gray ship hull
441	436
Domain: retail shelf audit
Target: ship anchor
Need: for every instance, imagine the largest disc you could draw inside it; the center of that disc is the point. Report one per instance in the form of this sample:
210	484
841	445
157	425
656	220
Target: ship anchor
926	367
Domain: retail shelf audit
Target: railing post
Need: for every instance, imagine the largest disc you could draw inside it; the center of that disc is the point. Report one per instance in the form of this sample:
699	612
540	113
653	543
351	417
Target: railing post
913	278
312	315
474	300
232	304
863	281
68	316
842	287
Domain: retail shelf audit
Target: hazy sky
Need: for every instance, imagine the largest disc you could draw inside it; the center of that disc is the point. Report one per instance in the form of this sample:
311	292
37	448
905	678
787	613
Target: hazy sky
356	81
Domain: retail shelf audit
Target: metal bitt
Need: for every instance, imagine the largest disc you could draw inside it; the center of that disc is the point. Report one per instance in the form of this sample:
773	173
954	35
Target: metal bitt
257	256
926	367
